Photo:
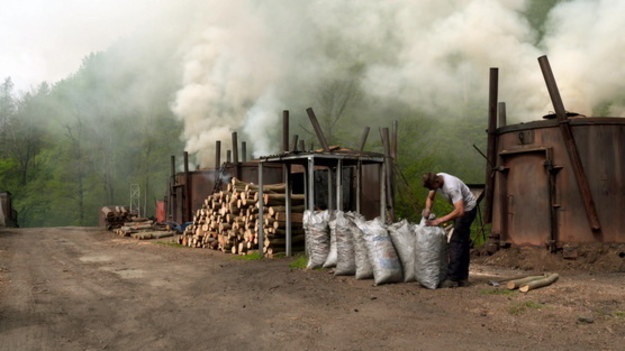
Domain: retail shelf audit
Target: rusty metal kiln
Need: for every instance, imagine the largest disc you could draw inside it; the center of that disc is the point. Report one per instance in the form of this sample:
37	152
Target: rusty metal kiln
556	181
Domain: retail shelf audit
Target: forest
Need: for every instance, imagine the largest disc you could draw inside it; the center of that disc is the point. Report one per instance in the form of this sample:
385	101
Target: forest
70	147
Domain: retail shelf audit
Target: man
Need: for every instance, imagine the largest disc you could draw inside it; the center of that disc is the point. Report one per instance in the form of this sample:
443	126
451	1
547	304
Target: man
463	214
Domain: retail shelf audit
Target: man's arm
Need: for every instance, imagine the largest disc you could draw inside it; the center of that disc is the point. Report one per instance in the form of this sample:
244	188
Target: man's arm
429	200
458	211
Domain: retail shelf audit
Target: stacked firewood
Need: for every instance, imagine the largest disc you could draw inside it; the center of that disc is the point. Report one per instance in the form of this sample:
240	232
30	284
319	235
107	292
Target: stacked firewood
228	220
115	216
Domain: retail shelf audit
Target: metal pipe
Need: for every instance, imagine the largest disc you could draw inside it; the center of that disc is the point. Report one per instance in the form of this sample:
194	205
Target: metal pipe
187	187
339	185
502	115
287	204
244	151
217	155
294	144
571	147
235	149
491	147
330	203
358	184
311	183
383	192
553	205
388	173
261	209
317	127
285	130
172	191
228	156
363	138
302	145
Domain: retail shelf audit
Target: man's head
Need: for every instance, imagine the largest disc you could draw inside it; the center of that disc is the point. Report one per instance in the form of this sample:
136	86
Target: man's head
432	181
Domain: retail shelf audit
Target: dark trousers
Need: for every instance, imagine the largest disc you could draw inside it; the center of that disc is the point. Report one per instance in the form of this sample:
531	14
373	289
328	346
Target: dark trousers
460	246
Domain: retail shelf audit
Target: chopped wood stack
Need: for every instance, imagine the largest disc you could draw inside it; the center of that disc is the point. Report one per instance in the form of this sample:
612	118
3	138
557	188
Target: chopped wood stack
228	220
115	216
132	227
143	229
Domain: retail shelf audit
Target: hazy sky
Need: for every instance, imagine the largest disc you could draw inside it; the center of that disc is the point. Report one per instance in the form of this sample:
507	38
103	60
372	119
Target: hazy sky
47	39
243	61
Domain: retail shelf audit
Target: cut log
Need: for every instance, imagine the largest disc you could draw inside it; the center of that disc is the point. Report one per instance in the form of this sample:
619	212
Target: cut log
539	283
282	209
282	241
278	199
513	284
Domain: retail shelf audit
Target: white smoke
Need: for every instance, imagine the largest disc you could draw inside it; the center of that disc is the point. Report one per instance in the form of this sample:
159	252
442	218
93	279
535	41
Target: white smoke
248	60
587	52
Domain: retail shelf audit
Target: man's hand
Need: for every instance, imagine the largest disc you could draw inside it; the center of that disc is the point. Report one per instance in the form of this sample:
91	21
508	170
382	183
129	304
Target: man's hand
425	213
433	222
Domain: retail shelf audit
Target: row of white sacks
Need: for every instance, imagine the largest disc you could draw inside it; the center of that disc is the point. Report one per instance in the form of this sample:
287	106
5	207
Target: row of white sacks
399	252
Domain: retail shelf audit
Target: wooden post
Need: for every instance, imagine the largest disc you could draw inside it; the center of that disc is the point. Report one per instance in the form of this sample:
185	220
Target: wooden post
491	148
363	139
317	127
571	147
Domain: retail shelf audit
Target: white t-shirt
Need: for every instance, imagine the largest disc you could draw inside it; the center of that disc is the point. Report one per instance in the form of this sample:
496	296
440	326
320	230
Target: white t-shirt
454	190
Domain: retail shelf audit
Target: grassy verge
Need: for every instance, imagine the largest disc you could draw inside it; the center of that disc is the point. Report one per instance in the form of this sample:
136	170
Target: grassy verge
524	307
300	262
251	257
505	292
170	243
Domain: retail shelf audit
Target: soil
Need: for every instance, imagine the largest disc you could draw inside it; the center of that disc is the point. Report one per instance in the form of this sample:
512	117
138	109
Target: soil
75	288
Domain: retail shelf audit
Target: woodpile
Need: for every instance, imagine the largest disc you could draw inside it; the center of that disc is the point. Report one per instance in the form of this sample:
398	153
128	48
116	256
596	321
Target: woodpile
143	229
228	220
115	216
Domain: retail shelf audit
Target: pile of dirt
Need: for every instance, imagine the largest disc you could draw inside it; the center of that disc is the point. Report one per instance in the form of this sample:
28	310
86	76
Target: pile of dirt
587	257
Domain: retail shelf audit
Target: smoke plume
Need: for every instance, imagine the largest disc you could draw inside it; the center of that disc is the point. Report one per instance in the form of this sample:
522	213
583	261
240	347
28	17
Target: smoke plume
248	60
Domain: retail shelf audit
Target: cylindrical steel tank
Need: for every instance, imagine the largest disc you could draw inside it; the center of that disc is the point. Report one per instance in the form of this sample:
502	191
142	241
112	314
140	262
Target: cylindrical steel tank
536	197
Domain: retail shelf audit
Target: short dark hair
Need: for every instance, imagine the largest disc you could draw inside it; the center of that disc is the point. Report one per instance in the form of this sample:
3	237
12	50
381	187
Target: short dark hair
429	180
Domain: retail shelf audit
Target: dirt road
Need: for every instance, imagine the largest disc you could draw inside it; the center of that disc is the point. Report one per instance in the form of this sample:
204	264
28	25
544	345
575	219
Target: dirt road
84	289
